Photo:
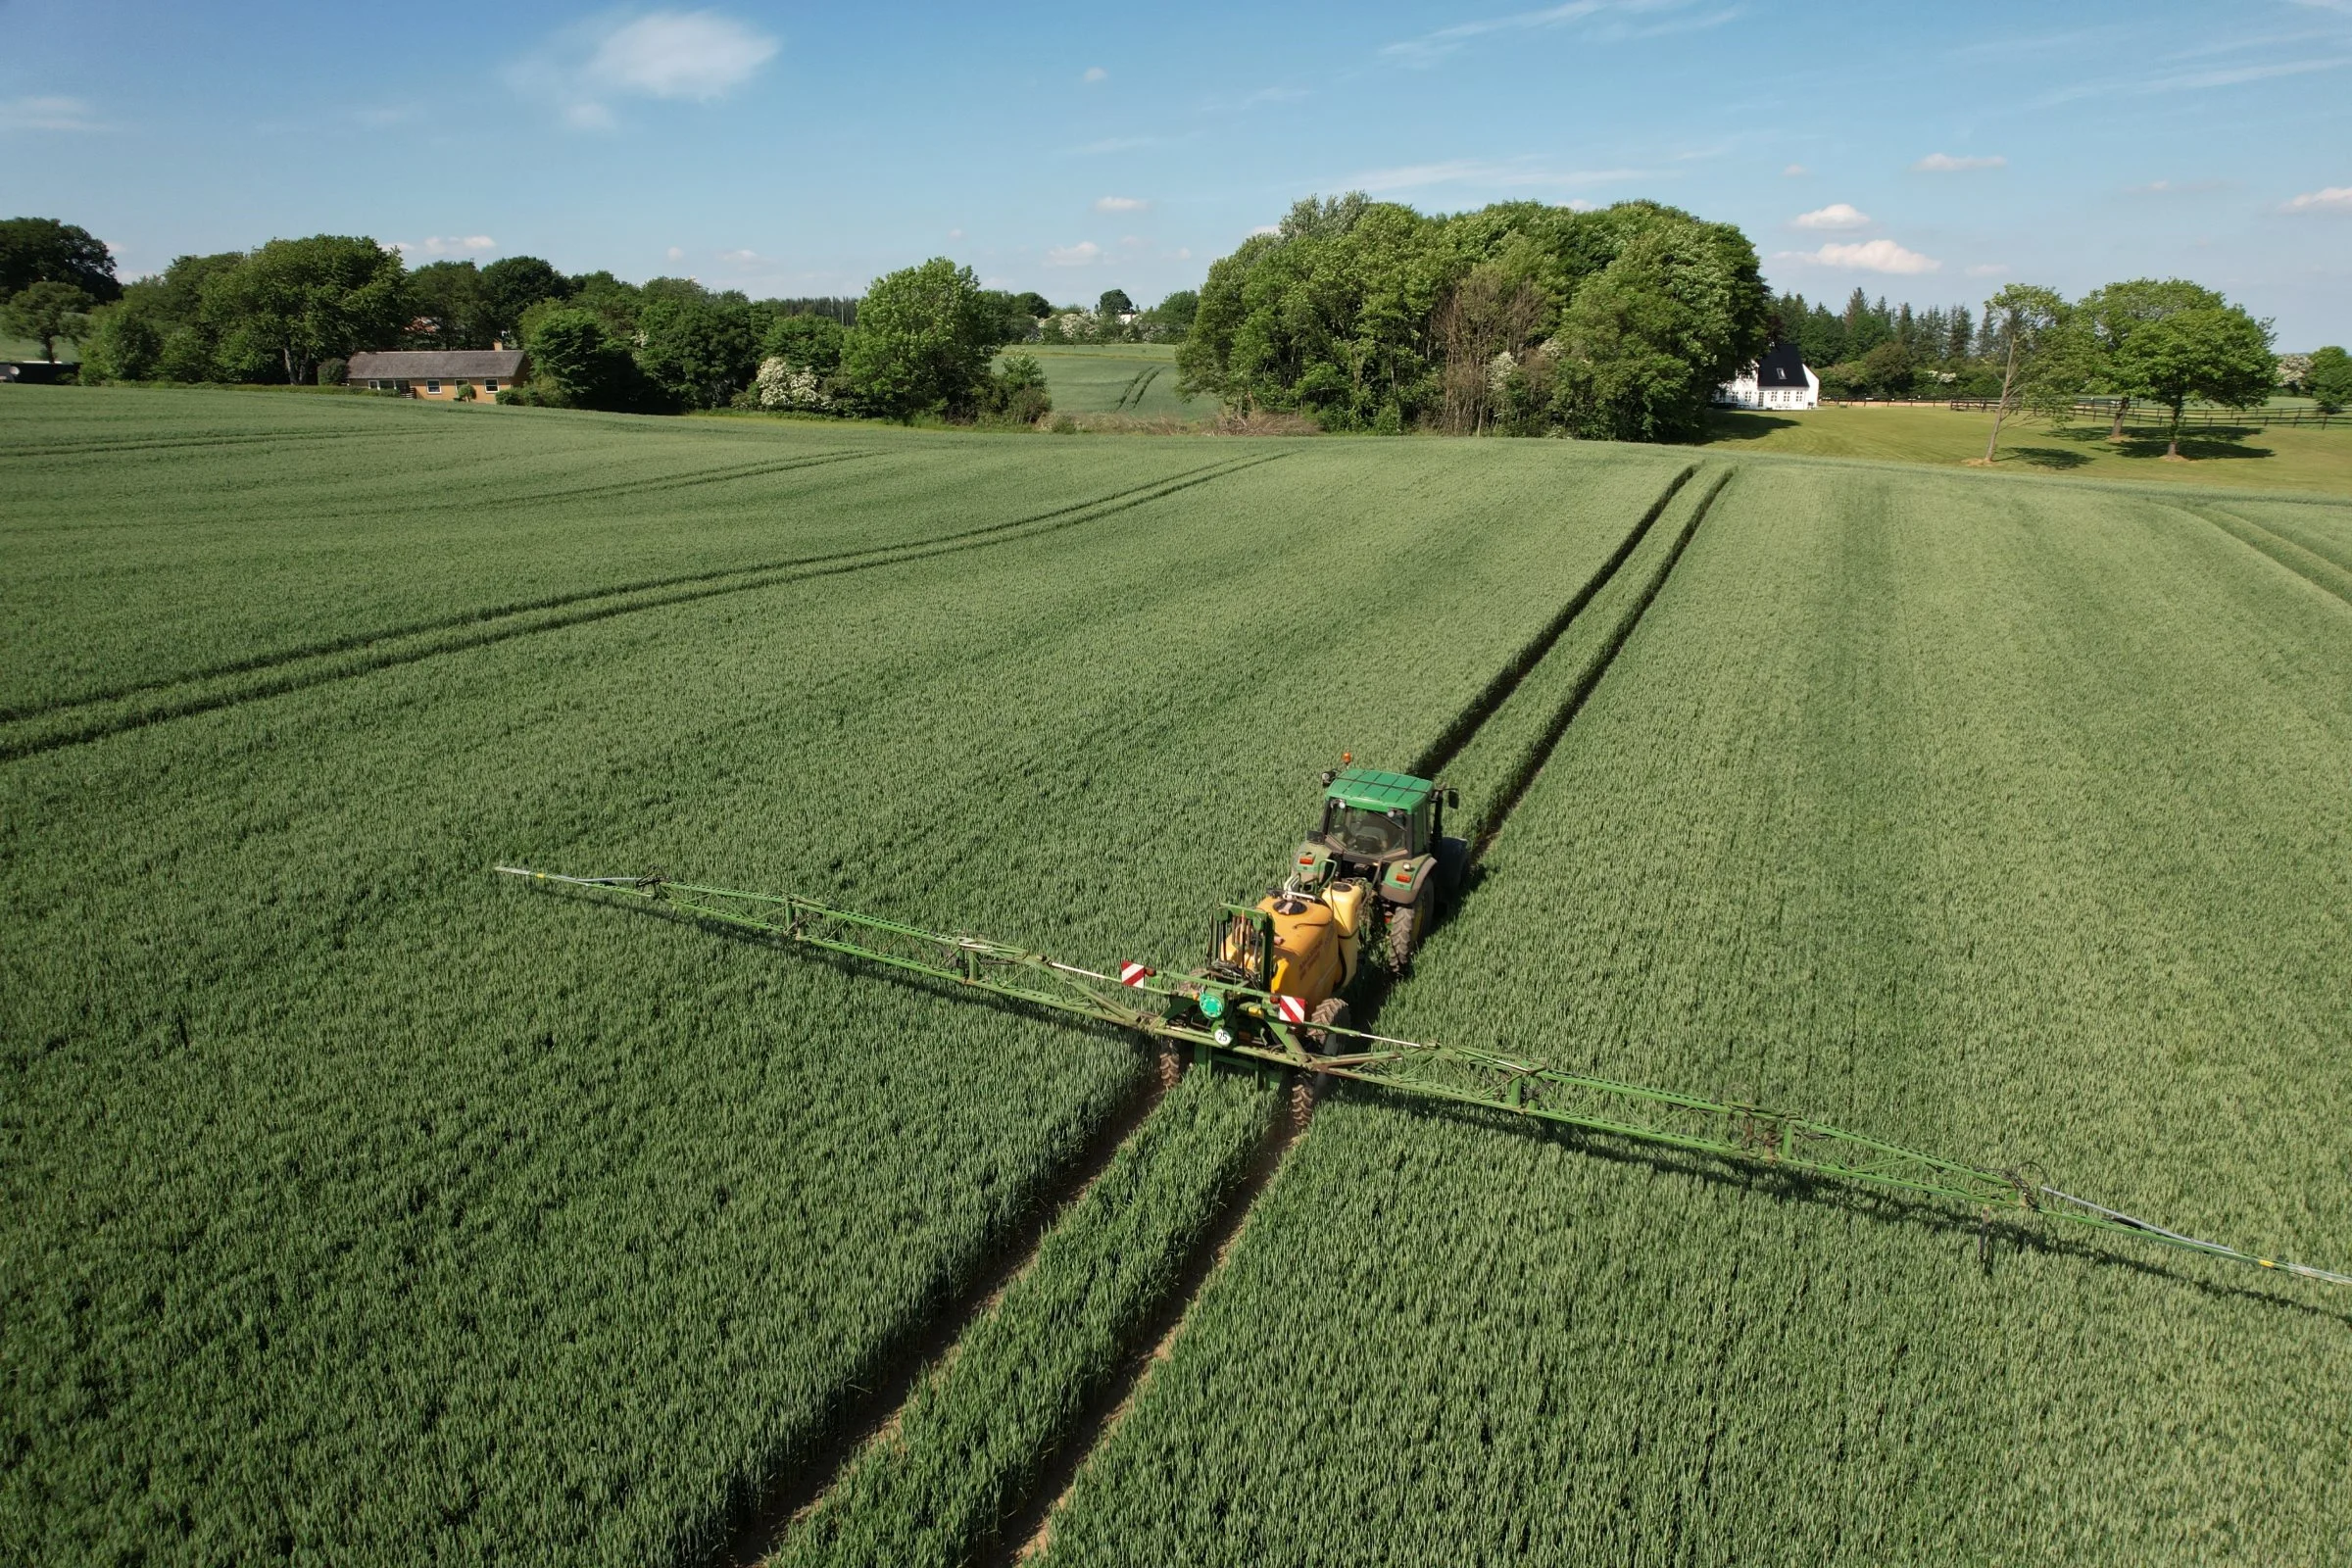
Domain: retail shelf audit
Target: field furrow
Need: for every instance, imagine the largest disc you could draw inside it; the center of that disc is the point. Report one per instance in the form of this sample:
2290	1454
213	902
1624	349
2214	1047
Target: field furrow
953	1477
520	1227
1995	824
78	724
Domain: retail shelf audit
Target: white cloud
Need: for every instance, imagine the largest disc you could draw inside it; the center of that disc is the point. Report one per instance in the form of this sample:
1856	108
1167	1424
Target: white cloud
2331	199
954	233
1794	171
1869	256
1836	215
1946	163
1120	203
446	245
1183	253
675	254
1989	270
1096	74
1265	228
48	114
743	258
1083	254
697	55
1432	47
680	54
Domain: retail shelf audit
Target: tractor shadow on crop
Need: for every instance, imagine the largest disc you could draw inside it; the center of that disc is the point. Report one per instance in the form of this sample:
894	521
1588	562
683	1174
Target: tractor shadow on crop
1989	1239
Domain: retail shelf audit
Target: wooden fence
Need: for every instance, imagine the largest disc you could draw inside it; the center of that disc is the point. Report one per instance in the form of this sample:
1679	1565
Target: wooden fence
2198	418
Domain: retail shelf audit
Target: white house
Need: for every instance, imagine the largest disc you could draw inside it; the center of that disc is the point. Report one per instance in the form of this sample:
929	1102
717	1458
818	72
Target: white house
1780	380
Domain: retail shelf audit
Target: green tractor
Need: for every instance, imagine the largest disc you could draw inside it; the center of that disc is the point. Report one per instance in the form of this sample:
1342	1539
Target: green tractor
1388	831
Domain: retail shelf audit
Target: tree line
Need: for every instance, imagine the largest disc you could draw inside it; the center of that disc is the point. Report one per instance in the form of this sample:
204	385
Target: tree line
1516	318
2069	350
920	342
2165	342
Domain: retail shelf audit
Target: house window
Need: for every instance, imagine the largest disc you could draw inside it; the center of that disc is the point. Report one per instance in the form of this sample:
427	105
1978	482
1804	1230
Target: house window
491	385
432	386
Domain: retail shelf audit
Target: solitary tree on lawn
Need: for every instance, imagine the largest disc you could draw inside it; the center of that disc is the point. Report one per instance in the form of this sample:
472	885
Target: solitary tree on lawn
2217	353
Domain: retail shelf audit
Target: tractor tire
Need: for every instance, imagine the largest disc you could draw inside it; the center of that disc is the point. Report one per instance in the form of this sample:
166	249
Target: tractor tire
1454	865
1404	935
1331	1012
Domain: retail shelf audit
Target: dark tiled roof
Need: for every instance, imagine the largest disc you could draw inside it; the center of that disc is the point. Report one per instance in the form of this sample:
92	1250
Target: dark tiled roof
450	364
1782	365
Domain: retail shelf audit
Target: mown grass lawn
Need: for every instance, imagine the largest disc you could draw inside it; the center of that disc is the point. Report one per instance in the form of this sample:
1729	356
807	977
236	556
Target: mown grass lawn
2242	457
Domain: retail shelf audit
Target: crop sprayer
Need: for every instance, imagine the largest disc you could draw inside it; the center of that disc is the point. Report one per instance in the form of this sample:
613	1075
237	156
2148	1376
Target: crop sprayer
1375	872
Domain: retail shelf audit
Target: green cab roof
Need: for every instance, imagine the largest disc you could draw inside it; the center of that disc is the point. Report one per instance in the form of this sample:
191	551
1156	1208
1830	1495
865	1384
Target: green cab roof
1376	790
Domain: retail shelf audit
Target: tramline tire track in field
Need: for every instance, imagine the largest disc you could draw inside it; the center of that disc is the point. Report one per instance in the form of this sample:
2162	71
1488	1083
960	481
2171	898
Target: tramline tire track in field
1449	745
247	438
1506	800
610	489
900	1368
366	658
2281	552
1029	1528
518	606
468	618
1037	1518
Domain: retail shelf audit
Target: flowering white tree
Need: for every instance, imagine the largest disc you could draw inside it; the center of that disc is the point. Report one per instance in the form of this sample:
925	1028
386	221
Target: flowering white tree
786	385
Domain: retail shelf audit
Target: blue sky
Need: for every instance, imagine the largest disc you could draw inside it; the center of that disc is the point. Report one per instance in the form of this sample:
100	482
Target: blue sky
1928	152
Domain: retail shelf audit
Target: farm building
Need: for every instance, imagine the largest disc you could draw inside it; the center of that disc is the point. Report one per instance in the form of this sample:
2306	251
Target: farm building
438	373
1778	380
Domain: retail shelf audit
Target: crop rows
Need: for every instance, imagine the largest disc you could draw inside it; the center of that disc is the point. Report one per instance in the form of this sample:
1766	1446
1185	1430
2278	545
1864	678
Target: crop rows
974	1444
2006	824
141	567
355	1198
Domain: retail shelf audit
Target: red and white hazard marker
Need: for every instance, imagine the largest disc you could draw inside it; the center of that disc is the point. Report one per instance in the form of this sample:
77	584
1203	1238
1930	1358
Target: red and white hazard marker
1293	1008
1135	975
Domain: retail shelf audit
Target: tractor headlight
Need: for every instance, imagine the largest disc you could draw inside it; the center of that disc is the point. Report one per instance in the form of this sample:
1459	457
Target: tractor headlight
1212	1005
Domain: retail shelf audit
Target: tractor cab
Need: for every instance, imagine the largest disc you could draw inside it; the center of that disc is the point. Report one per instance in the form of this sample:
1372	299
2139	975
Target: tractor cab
1387	832
1386	828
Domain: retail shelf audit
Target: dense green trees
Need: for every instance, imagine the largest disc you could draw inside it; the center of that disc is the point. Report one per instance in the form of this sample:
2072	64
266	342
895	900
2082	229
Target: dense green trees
43	250
2328	381
1367	315
922	342
302	301
1871	349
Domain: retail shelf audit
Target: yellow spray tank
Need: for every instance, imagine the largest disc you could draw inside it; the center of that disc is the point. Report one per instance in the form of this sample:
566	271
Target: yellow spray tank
1317	937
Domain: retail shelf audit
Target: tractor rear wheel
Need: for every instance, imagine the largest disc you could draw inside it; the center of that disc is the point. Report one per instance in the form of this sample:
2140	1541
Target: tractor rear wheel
1330	1014
1405	935
1453	865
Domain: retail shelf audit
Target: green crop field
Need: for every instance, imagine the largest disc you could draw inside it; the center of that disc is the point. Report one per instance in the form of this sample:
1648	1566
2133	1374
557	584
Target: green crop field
356	1196
2004	823
361	1205
1136	379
